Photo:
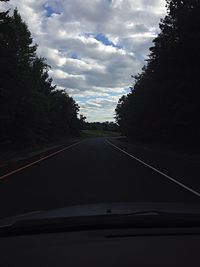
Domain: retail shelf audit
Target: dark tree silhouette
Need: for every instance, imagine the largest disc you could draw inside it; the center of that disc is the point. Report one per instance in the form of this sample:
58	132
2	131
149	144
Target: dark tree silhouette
32	110
163	104
101	126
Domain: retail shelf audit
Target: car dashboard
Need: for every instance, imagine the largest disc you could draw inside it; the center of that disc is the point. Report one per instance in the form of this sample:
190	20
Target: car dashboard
104	247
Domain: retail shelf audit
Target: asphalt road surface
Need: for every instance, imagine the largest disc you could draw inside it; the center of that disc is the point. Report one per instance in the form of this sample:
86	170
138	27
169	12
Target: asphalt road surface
92	171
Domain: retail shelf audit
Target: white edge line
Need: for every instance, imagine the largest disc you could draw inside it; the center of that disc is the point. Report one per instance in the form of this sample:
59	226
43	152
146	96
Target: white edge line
156	170
37	161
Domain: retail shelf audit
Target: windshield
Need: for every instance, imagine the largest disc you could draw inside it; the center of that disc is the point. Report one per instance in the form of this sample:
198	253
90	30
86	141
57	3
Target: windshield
99	104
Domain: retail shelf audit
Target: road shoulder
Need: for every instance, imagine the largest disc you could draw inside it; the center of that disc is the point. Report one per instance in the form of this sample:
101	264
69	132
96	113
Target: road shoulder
183	167
22	158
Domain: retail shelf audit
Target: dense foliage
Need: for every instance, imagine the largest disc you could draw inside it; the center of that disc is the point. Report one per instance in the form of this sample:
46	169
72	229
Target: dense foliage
163	104
32	110
101	126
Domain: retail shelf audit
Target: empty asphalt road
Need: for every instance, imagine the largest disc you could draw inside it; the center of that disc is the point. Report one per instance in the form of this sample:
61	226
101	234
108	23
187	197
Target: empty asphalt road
92	171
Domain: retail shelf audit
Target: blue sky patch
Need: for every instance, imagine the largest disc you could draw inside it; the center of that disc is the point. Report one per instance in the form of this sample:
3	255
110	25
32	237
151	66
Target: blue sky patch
103	39
49	11
74	55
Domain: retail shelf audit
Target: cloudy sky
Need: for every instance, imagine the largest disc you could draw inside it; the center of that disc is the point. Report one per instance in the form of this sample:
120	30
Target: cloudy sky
93	46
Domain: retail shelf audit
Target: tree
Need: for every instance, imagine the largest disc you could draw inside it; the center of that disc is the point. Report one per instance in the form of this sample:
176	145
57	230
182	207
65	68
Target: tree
163	104
32	110
82	122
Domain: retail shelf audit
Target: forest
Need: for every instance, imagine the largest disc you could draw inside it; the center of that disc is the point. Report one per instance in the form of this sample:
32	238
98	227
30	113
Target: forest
32	110
163	104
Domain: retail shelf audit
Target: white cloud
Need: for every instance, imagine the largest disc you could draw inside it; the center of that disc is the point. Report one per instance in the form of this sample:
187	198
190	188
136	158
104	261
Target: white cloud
100	108
89	70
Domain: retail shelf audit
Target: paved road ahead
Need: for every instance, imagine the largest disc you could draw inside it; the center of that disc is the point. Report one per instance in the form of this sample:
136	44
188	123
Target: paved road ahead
90	172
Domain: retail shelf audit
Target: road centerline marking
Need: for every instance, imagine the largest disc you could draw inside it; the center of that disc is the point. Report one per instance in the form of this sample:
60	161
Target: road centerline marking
156	170
37	161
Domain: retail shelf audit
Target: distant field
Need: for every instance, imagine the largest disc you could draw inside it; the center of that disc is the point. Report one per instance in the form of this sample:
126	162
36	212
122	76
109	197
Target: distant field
98	133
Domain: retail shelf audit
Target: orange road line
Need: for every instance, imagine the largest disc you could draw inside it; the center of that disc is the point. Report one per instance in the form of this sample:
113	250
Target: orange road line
37	161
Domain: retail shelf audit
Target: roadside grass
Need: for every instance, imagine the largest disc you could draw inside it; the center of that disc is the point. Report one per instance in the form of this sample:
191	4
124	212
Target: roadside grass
13	154
8	156
98	133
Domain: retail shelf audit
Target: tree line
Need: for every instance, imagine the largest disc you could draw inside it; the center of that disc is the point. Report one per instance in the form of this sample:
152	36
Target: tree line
101	126
32	110
163	105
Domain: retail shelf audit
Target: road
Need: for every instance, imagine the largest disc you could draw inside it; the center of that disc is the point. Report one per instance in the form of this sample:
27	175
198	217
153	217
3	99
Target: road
92	171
